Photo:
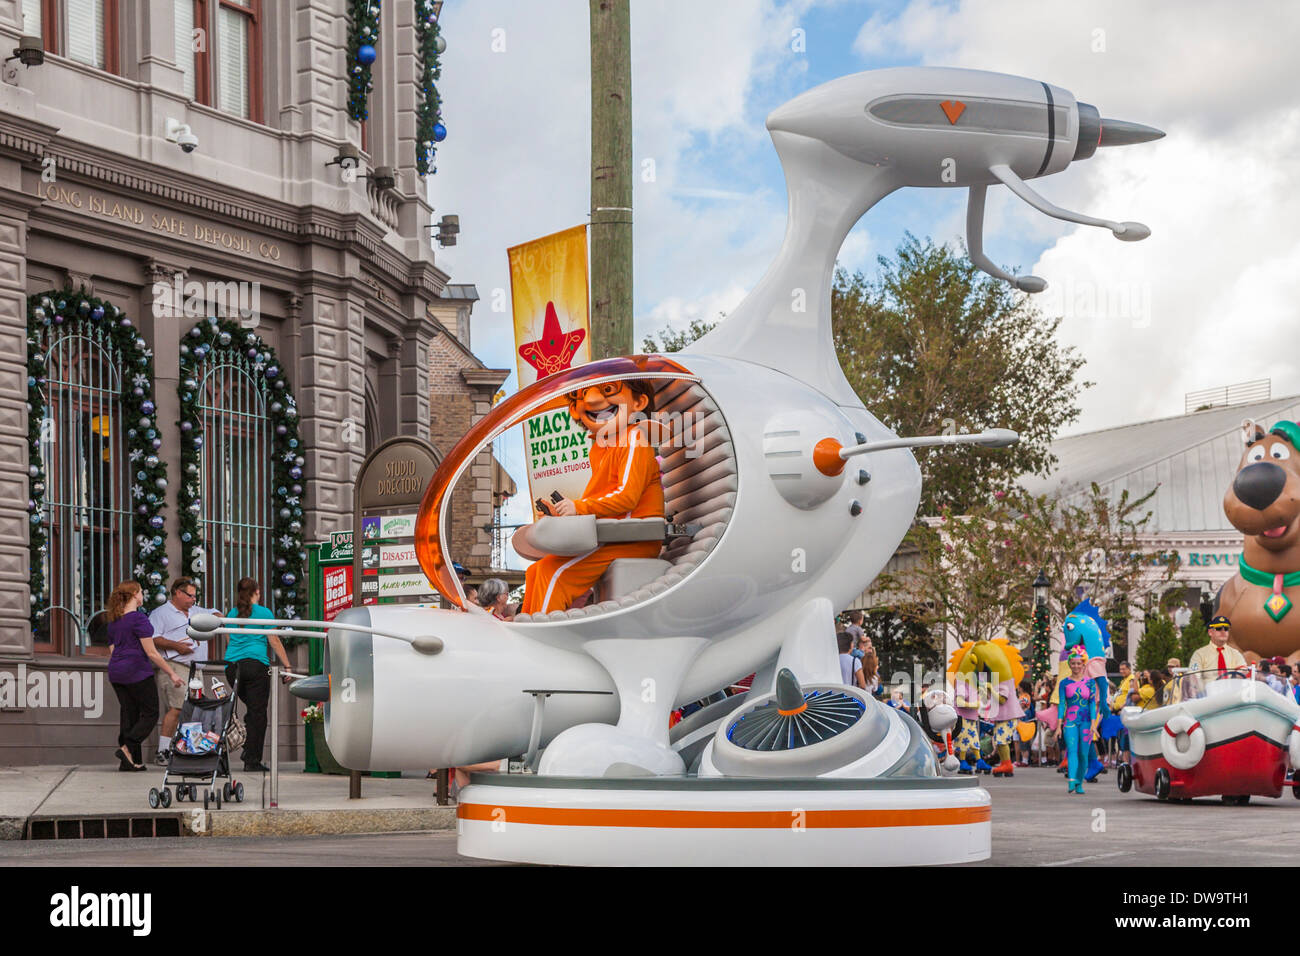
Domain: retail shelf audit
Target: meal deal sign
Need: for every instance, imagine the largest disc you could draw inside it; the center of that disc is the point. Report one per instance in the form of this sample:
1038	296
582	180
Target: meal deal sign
338	590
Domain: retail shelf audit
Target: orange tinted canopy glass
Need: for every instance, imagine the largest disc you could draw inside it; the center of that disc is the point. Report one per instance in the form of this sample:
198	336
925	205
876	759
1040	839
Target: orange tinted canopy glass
431	539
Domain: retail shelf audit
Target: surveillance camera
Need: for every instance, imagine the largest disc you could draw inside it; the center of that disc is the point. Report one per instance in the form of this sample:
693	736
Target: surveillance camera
180	134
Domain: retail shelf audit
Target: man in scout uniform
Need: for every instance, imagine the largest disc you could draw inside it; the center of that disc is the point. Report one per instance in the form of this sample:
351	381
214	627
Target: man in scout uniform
1217	658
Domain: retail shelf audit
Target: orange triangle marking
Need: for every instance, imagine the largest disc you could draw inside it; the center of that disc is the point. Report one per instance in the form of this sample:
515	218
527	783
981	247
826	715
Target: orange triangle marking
953	109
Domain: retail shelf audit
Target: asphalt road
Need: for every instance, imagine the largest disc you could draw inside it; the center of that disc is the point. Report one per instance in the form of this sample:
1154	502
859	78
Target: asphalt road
1035	823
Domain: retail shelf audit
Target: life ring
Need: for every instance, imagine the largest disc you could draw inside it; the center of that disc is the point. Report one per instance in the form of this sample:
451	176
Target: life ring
1176	726
1293	746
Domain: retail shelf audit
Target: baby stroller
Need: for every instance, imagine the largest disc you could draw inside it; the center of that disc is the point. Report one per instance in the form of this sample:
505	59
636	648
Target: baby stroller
215	716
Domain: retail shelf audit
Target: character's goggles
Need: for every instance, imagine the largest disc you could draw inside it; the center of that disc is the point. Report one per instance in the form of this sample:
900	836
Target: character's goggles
607	389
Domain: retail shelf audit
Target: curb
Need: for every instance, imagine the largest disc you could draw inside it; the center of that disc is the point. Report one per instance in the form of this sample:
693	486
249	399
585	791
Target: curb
317	822
237	823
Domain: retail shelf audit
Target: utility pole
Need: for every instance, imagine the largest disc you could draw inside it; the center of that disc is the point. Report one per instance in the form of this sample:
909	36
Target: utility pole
611	178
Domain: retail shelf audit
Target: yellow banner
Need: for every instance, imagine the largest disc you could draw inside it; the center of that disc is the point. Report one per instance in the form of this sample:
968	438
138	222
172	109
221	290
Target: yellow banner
548	287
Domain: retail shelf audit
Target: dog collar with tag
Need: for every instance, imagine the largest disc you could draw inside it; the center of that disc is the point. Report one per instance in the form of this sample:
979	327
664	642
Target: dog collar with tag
1277	604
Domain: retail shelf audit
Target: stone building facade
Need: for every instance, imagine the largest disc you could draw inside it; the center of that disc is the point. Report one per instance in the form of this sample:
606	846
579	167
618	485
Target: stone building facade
349	293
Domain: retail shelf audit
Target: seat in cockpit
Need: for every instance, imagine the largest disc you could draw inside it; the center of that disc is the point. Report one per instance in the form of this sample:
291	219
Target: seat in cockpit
698	469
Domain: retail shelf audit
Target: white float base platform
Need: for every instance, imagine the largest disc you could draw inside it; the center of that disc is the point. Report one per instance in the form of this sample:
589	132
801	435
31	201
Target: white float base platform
692	821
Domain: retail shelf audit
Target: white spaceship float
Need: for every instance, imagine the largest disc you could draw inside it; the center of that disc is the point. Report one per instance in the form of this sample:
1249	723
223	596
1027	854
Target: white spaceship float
785	497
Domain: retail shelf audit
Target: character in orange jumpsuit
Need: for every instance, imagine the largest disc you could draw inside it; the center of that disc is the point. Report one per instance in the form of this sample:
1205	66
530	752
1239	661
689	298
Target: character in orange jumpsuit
624	483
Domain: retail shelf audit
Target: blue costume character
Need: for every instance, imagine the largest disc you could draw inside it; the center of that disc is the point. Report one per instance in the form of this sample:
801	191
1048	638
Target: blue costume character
1077	712
1085	627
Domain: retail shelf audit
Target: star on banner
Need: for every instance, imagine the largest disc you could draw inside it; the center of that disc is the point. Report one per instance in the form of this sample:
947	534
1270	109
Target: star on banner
555	350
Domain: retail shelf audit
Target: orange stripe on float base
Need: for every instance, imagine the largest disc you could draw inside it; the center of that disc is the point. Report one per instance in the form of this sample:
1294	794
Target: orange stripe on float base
724	819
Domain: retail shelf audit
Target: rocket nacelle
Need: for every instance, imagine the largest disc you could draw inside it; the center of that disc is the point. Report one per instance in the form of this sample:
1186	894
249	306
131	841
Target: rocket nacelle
393	708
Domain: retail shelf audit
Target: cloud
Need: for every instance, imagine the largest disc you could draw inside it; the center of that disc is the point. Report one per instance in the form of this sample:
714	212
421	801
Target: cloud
1209	298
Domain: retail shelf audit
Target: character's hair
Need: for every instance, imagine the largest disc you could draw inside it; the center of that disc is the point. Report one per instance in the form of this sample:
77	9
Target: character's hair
117	600
1078	652
490	590
244	592
1012	654
870	664
181	583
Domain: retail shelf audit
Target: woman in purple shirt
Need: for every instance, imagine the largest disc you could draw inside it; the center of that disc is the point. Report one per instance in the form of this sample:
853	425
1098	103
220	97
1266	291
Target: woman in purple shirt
131	672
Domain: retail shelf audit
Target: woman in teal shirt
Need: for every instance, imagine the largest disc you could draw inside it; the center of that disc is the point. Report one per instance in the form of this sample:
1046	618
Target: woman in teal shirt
248	657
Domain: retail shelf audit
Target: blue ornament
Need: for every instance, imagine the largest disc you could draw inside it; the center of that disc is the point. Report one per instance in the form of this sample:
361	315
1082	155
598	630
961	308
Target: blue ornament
288	577
365	54
156	522
151	461
439	132
139	476
293	442
295	472
147	407
157	541
272	371
97	313
185	536
151	435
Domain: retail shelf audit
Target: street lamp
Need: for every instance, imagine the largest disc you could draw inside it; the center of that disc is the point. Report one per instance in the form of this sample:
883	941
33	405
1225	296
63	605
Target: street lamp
1042	587
1040	646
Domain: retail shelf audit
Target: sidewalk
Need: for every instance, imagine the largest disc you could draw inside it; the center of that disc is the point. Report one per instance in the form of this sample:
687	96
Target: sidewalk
97	801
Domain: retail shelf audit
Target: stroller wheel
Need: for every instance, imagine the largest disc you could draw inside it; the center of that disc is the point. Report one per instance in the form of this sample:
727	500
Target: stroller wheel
239	792
225	791
217	797
154	799
207	797
166	795
181	793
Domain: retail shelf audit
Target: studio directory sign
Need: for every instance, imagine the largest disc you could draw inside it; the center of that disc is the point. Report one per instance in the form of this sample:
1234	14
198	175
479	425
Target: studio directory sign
385	502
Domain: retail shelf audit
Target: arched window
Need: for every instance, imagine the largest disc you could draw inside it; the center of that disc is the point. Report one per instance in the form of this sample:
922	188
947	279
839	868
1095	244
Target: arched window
96	482
86	491
241	503
235	478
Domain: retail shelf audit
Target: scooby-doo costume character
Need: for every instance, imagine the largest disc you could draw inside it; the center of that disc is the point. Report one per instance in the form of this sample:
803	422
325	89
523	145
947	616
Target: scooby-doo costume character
1263	503
984	675
625	483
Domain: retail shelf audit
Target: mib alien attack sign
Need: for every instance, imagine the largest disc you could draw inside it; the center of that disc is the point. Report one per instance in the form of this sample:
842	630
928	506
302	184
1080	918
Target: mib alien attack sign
548	280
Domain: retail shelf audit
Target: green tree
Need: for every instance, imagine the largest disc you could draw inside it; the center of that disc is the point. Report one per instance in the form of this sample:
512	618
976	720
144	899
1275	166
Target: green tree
935	346
672	341
972	574
1194	635
1160	642
901	643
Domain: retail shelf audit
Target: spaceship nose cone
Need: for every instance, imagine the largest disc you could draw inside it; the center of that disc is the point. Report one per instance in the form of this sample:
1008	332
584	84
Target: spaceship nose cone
1123	133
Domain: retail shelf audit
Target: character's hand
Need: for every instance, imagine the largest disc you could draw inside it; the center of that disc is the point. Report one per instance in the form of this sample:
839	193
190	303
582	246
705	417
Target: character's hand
564	507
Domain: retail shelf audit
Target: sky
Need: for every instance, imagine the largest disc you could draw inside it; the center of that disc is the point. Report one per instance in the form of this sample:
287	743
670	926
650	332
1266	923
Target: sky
1208	300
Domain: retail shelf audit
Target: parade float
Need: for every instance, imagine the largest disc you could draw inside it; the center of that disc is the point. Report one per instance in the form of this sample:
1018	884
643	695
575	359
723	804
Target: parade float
1227	735
784	497
1223	731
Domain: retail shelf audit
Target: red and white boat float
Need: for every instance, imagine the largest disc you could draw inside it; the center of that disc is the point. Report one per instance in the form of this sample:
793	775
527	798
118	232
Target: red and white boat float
1232	736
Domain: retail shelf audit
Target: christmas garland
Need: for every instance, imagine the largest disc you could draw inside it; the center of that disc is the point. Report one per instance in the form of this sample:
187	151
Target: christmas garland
54	314
363	34
221	340
428	124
